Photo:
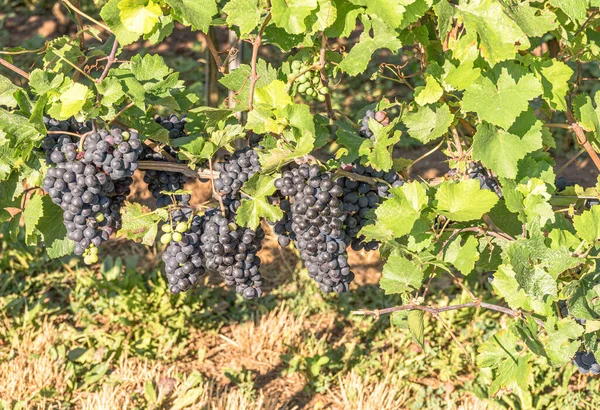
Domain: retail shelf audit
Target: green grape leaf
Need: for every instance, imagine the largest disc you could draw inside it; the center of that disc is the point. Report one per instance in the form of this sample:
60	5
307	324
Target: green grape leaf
416	326
462	256
554	76
111	14
400	275
71	102
499	36
383	37
7	89
535	22
139	16
53	230
194	13
244	13
501	102
32	213
111	91
587	225
379	150
323	17
430	93
513	365
290	14
454	200
41	82
149	67
345	22
561	343
584	301
501	151
140	224
397	215
259	188
238	81
575	9
428	123
162	30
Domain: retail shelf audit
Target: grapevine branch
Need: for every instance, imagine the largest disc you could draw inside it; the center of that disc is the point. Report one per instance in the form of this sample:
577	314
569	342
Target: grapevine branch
324	79
213	51
437	310
81	13
582	139
207	174
14	68
254	76
110	60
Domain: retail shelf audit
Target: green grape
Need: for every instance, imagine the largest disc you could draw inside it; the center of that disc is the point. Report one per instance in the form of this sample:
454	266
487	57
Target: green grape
316	80
303	87
321	98
165	238
324	90
296	65
167	228
177	236
99	217
303	79
181	227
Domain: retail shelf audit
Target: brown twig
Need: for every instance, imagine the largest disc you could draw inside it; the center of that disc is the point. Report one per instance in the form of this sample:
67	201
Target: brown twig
212	184
76	10
110	60
457	142
582	139
324	79
255	46
14	68
175	167
213	52
436	310
128	106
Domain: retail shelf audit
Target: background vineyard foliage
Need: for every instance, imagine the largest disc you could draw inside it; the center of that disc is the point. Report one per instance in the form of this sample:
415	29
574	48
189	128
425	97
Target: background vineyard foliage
512	102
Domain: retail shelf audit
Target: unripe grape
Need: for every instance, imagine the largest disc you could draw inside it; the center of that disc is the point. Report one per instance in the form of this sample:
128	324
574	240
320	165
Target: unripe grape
177	236
165	238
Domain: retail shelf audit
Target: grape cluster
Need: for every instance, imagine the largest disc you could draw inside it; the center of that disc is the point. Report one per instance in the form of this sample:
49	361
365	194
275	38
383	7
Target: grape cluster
316	224
116	152
486	181
231	250
379	116
234	171
159	181
360	197
586	363
309	82
90	196
183	257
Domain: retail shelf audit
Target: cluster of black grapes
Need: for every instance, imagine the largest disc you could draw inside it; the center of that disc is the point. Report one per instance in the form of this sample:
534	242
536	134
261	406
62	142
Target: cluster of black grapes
486	181
379	116
159	181
183	258
315	222
234	171
309	82
231	250
360	198
585	361
90	185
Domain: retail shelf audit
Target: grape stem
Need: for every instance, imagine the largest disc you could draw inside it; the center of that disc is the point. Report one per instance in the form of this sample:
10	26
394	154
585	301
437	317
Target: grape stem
255	46
324	79
437	310
14	68
110	60
212	184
